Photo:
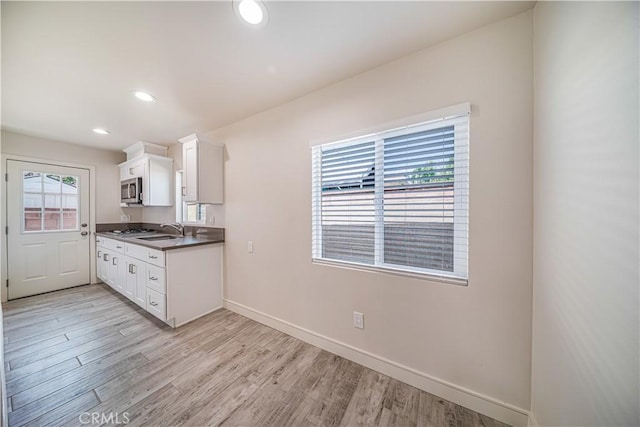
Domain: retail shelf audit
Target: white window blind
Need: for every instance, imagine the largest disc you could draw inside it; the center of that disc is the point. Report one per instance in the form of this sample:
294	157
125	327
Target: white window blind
395	199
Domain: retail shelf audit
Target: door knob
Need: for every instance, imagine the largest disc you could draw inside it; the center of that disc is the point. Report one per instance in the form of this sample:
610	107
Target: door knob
84	233
84	224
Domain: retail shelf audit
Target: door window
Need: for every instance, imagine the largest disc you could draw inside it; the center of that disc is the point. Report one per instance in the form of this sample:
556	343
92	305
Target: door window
50	202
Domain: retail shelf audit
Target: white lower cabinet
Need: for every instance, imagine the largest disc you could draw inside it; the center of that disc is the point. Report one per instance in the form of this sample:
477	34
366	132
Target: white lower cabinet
156	304
135	288
156	279
136	281
117	272
100	268
176	286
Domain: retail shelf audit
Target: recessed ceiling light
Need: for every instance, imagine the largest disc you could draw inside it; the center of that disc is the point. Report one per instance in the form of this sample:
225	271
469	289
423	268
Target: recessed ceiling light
252	11
101	131
143	96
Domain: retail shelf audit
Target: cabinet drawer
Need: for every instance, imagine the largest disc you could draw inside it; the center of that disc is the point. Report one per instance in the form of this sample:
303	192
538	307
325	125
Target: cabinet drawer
114	245
156	279
155	257
145	254
156	304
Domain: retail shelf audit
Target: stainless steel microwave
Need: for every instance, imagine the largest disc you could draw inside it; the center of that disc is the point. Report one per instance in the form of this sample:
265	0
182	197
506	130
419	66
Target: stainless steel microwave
131	191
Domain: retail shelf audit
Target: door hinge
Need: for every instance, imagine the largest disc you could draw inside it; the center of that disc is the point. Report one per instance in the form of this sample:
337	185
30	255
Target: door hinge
7	283
6	177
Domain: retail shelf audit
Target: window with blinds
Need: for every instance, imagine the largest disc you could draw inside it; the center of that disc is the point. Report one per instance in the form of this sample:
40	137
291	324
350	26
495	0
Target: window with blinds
395	199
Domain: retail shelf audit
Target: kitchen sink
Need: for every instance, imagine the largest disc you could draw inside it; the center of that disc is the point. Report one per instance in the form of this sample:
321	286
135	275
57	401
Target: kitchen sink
154	238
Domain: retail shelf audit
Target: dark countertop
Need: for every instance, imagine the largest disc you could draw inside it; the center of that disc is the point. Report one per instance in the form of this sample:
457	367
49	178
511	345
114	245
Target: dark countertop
164	245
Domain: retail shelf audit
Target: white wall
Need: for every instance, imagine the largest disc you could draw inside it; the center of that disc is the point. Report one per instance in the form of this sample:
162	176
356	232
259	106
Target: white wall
477	337
107	173
585	317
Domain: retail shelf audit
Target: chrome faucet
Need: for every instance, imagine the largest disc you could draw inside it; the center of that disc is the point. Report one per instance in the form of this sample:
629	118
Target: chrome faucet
176	226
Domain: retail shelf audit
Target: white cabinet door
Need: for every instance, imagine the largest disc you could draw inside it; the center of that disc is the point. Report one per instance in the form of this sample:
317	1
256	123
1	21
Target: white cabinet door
106	267
117	272
101	264
202	171
129	280
99	252
136	283
106	261
156	304
121	281
132	170
158	182
190	171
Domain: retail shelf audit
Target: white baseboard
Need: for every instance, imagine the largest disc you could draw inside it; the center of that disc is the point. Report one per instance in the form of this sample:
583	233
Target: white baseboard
478	402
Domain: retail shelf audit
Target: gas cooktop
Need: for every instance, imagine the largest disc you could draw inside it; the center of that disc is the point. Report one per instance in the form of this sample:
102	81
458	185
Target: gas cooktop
131	232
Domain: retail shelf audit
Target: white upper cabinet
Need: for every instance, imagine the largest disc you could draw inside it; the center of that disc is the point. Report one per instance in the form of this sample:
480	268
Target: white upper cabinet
156	173
202	171
133	169
190	170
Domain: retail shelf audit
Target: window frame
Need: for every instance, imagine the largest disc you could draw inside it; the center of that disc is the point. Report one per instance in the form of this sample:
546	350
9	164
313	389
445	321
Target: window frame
181	208
43	193
423	122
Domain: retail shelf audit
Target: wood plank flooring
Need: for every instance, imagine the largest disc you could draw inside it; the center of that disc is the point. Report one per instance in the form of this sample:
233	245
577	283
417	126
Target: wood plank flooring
89	350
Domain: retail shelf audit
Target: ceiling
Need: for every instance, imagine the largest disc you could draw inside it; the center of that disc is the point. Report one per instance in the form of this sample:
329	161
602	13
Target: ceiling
69	67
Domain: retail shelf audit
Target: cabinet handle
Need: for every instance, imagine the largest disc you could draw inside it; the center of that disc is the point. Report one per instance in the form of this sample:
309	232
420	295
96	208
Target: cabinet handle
153	257
105	257
153	278
84	233
118	247
130	265
133	269
153	303
99	254
184	191
114	260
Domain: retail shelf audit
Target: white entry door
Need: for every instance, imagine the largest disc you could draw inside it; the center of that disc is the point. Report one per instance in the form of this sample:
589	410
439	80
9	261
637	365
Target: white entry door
48	240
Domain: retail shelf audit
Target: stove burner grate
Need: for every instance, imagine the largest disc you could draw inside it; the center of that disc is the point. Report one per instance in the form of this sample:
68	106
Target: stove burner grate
133	231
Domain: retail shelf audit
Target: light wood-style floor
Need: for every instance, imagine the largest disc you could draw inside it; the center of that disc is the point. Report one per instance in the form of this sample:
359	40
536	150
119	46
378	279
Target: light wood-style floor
88	349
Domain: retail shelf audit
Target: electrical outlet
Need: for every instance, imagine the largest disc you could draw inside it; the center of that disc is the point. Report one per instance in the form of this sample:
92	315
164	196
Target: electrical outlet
212	220
250	246
358	320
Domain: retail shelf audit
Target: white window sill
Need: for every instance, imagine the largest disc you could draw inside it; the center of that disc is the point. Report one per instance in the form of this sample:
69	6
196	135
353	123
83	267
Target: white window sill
395	271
